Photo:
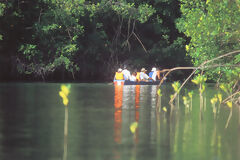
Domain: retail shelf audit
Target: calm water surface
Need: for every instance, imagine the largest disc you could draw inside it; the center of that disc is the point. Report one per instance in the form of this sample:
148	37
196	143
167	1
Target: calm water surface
32	125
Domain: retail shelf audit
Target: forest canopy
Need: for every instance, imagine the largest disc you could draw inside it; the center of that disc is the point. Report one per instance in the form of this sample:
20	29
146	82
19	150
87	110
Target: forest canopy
213	29
88	40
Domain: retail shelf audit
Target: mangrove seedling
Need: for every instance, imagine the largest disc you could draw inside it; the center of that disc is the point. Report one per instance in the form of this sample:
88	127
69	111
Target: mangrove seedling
227	88
133	127
229	104
219	95
200	81
165	109
213	102
190	94
186	103
176	86
159	99
64	92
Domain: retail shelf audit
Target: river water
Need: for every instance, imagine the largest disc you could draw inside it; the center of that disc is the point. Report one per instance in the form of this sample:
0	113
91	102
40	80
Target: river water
100	116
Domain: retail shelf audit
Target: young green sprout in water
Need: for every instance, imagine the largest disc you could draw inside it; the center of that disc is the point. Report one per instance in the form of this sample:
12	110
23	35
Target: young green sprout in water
186	103
159	98
165	109
227	88
200	80
190	94
159	92
214	101
64	92
219	95
133	127
176	85
229	104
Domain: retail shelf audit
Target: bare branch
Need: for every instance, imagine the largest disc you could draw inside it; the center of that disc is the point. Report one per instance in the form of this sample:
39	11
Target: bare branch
40	14
68	30
140	42
202	66
225	100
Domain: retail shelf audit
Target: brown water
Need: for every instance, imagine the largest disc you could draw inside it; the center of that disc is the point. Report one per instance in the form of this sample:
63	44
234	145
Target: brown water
32	125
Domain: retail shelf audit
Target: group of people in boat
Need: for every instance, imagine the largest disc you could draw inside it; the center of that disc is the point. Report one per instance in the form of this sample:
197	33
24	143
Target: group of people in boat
124	74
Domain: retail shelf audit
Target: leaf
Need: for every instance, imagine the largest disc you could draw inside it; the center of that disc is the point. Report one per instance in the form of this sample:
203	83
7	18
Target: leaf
65	101
187	48
61	94
190	94
219	97
214	100
195	81
65	90
133	127
229	104
164	109
159	92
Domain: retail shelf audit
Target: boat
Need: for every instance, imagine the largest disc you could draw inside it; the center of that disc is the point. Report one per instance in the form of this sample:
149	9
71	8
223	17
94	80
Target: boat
127	82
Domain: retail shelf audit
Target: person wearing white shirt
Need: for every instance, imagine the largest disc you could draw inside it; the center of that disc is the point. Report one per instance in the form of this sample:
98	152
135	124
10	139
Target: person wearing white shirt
133	77
126	74
143	75
153	74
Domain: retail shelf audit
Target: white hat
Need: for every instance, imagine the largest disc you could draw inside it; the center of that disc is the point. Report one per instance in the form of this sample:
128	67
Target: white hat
119	69
154	69
143	70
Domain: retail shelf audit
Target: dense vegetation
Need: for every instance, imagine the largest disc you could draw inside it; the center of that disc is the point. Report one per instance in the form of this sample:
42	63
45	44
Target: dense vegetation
213	27
89	40
66	39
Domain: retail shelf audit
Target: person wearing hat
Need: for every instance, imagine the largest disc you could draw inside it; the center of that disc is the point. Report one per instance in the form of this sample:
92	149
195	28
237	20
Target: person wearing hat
153	74
119	75
143	76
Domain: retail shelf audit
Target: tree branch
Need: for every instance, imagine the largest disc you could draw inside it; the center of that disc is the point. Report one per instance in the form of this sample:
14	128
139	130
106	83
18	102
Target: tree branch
140	42
202	66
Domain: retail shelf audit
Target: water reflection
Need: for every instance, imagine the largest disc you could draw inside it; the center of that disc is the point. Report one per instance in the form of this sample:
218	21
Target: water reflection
129	102
118	113
164	136
31	125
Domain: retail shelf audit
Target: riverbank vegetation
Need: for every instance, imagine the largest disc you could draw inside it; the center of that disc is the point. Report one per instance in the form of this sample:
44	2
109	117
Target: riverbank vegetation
87	40
212	27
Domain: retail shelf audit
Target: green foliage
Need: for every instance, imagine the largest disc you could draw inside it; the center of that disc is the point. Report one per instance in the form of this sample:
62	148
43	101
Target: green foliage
190	94
2	7
186	102
56	34
213	27
200	80
232	81
65	23
90	36
226	87
28	50
145	11
159	92
176	85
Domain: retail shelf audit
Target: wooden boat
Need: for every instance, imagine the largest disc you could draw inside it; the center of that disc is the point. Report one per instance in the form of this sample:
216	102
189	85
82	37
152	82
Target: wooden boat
126	82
